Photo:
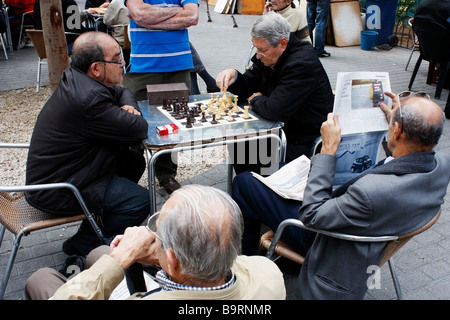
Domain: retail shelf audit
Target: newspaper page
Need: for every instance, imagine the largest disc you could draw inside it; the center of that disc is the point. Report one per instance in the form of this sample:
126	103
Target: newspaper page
121	291
357	99
290	180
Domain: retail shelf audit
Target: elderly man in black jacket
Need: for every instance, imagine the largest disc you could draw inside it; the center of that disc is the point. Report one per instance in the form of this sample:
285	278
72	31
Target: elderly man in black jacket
89	134
286	83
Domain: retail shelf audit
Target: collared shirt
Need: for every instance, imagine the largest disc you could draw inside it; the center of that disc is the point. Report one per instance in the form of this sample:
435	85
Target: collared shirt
168	285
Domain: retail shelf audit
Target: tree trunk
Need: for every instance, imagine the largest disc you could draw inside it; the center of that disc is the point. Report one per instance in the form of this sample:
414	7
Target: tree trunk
55	40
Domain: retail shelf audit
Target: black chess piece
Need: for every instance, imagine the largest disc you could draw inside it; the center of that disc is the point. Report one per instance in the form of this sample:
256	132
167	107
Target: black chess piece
188	123
203	117
213	121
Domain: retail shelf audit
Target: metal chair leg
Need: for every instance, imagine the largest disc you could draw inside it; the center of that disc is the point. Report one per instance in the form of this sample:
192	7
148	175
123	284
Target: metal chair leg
8	270
38	81
410	56
398	290
4	46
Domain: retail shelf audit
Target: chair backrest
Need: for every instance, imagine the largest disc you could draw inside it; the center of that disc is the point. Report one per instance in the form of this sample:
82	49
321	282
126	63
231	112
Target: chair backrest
16	213
37	38
434	40
393	246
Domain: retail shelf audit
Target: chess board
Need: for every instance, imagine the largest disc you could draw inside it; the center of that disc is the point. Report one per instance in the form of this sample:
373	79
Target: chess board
198	120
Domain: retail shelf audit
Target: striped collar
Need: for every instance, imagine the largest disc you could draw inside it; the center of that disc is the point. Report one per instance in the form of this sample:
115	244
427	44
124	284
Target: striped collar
168	285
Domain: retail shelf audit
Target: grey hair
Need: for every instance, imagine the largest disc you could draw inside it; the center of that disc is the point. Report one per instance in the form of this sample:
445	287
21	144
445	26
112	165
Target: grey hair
417	129
204	228
272	27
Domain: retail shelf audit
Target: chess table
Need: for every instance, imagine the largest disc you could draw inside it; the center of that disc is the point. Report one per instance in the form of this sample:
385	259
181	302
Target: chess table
202	137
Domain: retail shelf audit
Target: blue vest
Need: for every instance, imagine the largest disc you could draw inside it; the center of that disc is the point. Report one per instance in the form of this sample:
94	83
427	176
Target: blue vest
158	50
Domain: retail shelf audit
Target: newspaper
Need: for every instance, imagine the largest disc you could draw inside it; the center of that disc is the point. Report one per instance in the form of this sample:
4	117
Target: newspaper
121	291
363	127
290	181
357	99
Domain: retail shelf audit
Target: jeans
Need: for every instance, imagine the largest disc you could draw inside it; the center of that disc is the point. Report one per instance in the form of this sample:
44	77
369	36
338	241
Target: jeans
317	16
260	205
125	204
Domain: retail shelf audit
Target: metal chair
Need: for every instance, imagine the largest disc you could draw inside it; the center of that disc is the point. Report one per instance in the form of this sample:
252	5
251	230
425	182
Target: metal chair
37	38
22	26
276	247
21	219
434	47
415	42
2	40
5	10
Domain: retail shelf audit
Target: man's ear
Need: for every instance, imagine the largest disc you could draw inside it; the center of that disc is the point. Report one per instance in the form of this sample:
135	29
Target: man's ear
173	265
397	129
283	43
94	70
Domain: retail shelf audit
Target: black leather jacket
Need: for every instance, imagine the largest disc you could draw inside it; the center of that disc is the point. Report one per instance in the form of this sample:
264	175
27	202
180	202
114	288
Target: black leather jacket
296	91
83	137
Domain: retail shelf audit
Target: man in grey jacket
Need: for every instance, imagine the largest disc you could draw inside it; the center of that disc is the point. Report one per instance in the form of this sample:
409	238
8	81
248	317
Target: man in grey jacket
372	205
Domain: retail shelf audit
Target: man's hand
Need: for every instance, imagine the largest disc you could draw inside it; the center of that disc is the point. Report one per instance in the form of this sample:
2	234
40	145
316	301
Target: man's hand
135	245
249	100
267	7
130	109
226	78
331	134
395	103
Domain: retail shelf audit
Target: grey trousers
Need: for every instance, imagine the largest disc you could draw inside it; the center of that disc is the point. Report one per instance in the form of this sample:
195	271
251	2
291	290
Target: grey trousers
43	283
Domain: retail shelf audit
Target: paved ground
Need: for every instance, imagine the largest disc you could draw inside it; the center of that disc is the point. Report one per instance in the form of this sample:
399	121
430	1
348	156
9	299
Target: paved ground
423	265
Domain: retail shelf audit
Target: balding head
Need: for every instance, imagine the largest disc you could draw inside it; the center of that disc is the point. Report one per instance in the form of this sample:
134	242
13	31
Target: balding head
423	122
90	47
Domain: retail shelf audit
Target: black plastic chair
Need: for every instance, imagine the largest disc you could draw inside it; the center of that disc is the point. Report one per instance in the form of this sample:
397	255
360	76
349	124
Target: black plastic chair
434	47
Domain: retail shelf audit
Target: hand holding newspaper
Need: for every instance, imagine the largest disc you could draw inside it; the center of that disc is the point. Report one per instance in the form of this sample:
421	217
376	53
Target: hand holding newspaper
363	125
290	181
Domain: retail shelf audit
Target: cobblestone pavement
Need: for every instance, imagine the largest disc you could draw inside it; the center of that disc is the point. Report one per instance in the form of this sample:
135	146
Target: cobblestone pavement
423	265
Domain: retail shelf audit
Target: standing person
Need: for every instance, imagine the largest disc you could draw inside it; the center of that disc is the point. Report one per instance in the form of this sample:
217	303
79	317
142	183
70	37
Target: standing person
89	133
372	204
200	69
160	53
286	83
295	16
317	12
197	248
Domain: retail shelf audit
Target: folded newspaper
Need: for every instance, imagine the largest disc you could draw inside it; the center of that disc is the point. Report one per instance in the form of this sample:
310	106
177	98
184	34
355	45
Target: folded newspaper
290	180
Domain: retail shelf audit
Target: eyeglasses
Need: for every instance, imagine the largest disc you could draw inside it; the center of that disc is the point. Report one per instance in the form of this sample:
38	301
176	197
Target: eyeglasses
406	94
115	62
151	225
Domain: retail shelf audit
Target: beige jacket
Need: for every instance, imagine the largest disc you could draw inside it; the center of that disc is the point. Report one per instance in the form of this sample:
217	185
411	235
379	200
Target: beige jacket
257	278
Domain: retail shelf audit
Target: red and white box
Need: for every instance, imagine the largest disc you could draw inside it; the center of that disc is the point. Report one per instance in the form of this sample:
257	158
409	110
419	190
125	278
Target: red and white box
167	129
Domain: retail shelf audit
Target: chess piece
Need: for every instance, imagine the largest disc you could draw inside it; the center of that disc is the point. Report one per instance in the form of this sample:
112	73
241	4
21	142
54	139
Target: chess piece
213	121
188	123
230	117
203	117
235	107
246	115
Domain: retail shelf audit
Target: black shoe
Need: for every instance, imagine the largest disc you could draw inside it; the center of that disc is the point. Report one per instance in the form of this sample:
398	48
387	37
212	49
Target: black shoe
73	266
69	249
170	185
323	54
